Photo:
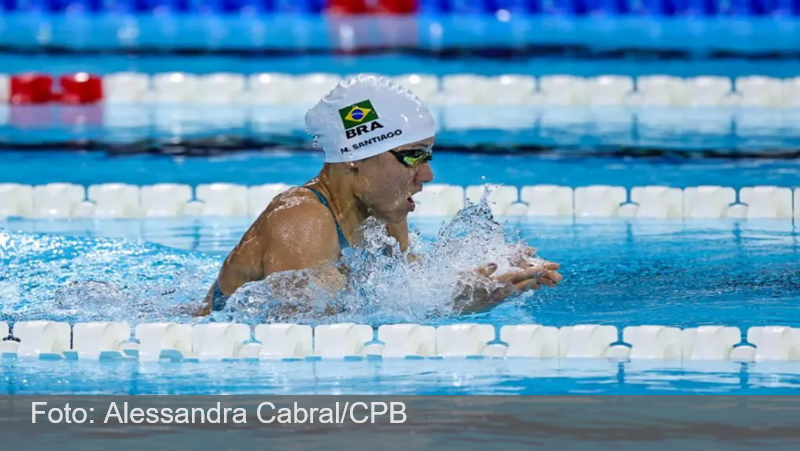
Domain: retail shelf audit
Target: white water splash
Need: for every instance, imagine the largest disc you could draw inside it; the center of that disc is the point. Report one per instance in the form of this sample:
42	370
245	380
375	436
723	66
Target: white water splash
383	287
85	279
78	279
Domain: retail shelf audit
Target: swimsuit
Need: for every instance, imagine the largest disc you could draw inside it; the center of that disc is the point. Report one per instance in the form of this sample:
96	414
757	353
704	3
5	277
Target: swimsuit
218	298
342	239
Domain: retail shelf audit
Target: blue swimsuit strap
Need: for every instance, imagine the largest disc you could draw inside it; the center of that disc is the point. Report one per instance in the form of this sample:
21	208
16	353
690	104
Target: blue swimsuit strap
342	239
219	299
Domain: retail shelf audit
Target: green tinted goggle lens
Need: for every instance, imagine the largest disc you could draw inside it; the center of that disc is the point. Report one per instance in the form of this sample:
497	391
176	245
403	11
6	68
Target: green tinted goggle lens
412	158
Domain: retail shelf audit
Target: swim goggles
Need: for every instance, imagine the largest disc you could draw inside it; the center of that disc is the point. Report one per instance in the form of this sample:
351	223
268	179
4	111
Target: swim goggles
414	157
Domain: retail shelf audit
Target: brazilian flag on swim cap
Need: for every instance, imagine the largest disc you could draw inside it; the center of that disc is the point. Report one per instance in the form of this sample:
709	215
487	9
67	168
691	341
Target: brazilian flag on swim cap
360	113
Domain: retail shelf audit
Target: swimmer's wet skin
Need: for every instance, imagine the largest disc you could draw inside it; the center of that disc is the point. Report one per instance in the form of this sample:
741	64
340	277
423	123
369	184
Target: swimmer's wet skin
378	138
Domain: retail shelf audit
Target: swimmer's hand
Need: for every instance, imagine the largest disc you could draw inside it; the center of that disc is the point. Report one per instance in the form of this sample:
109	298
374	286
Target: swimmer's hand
486	291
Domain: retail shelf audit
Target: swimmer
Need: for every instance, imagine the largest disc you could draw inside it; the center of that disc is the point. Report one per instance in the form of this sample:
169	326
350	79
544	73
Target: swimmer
377	138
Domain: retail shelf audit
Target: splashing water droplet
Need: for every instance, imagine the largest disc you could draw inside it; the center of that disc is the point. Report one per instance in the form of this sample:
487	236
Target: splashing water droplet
77	279
383	286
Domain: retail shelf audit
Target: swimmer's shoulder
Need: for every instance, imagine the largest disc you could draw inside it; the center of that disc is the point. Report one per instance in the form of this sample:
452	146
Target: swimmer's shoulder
297	208
294	216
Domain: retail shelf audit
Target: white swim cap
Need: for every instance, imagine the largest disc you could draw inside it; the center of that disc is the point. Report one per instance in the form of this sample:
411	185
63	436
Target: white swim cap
366	116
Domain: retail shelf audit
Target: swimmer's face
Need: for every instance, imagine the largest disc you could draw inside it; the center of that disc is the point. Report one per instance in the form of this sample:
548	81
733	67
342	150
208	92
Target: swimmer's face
387	181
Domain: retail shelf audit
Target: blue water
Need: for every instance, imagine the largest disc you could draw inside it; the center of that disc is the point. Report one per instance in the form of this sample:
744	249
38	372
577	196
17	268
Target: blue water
400	377
580	130
254	168
663	272
616	273
409	45
676	273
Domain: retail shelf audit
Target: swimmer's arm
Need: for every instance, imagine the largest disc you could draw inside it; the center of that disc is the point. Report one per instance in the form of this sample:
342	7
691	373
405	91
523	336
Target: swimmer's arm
399	231
243	265
208	303
483	290
303	236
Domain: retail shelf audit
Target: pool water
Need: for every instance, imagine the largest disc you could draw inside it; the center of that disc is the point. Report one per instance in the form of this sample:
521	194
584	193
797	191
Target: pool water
616	272
400	377
682	273
296	167
620	273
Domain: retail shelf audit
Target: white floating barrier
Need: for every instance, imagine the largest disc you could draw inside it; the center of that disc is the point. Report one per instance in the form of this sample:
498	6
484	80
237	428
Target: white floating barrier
797	202
759	91
654	342
57	200
790	92
284	341
743	354
708	91
250	351
548	200
404	340
115	200
175	87
609	90
500	197
92	340
512	90
736	211
269	88
463	340
775	342
767	201
586	341
426	87
15	200
126	87
530	340
306	90
658	202
661	90
563	90
165	200
517	209
85	209
223	199
466	89
709	202
220	88
217	341
5	88
341	340
164	340
437	200
42	338
194	208
599	201
628	210
709	342
259	197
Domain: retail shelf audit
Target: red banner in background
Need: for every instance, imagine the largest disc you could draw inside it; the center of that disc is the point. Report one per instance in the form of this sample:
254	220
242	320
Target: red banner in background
348	7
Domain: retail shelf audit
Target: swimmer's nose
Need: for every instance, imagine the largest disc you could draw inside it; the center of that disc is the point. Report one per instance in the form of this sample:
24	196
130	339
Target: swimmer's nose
424	173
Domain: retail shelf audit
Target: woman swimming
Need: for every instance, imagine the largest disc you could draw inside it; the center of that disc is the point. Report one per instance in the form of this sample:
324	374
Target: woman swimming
377	138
